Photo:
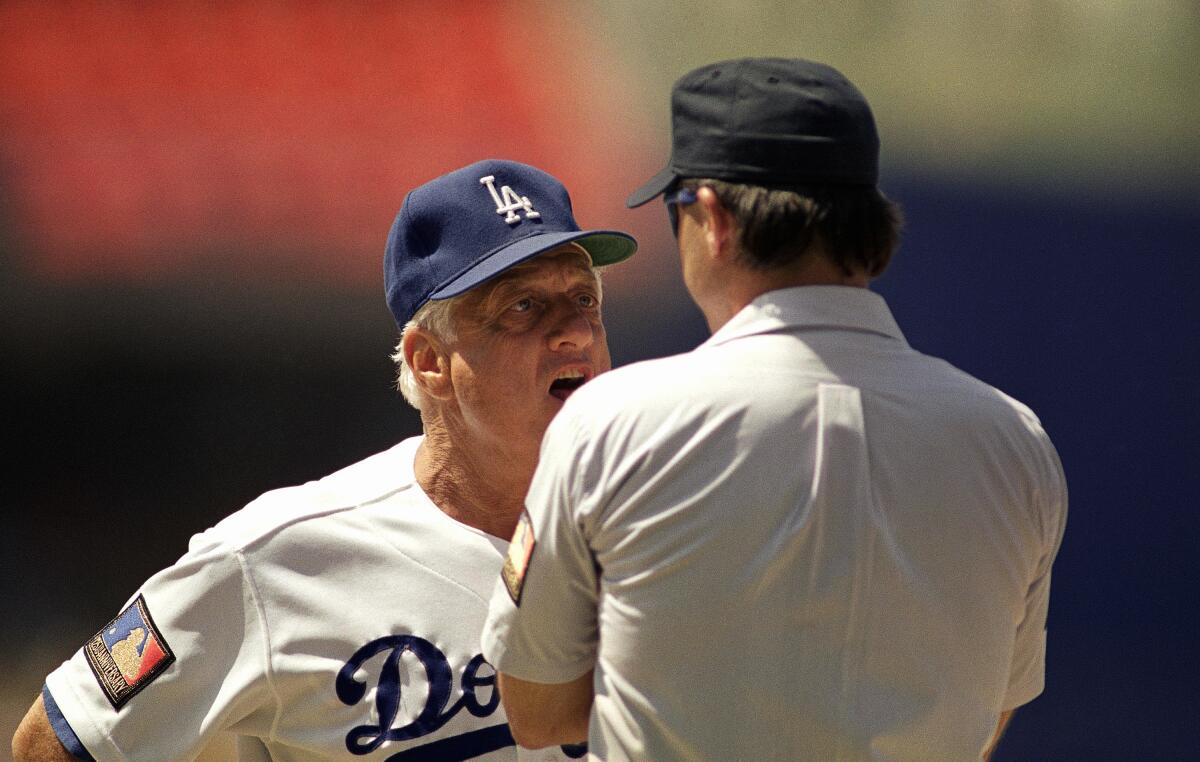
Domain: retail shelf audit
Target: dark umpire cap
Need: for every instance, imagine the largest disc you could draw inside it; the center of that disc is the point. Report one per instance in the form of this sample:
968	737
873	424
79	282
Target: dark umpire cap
465	227
772	122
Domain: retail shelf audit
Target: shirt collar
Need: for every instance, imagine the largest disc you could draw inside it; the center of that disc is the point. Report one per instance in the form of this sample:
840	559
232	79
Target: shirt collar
846	307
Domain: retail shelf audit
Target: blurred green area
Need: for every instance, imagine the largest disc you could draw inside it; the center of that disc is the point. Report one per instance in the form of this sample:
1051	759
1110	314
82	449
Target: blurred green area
1099	95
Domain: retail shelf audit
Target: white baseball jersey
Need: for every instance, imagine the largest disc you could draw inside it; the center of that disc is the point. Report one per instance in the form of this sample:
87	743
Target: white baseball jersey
803	540
335	620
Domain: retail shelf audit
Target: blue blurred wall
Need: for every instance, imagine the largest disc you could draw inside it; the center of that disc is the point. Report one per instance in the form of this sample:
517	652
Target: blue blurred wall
1083	310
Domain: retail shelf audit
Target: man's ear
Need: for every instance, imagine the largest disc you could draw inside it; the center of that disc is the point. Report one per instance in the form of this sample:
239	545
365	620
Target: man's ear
429	362
720	227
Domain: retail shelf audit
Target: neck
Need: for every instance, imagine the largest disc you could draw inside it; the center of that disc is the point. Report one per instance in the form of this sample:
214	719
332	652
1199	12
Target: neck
472	484
735	286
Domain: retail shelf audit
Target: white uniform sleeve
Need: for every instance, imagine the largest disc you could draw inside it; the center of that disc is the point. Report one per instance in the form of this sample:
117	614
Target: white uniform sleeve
184	660
545	630
1027	675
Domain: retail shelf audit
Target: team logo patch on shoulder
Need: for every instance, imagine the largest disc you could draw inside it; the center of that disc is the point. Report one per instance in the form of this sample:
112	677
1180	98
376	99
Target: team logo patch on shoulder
128	653
517	560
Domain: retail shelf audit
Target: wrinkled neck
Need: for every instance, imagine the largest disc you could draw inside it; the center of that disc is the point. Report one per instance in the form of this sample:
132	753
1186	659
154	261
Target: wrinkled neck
470	482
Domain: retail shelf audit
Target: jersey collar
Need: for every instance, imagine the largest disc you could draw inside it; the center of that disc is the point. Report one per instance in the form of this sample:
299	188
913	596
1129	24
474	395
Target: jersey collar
840	307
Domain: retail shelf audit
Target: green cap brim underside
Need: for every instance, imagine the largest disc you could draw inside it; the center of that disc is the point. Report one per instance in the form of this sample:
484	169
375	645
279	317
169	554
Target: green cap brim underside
608	248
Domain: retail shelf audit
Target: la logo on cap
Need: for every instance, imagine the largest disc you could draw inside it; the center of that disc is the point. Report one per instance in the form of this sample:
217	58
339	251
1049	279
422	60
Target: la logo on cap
508	202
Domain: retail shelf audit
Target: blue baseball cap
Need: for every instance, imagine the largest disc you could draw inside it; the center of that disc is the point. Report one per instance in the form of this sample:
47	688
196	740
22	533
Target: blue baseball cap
468	226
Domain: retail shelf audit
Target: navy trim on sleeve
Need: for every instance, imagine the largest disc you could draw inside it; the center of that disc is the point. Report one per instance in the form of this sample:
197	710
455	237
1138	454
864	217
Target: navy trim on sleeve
62	728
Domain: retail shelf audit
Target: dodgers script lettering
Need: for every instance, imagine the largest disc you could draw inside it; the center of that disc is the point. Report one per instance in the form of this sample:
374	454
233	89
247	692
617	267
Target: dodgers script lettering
366	738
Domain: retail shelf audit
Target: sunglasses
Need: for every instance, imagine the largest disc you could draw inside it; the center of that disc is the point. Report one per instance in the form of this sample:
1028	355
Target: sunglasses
679	197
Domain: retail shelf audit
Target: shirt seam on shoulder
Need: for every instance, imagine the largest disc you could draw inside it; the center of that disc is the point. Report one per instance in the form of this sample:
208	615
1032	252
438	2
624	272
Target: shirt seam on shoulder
275	529
431	570
261	612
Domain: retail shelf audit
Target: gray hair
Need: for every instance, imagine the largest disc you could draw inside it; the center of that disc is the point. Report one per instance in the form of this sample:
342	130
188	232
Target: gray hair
434	317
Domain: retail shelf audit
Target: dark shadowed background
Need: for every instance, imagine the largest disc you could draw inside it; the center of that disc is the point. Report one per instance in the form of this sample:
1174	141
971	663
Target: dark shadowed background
194	200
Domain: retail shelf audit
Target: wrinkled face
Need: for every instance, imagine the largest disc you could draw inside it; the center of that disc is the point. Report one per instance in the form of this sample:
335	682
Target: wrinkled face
524	342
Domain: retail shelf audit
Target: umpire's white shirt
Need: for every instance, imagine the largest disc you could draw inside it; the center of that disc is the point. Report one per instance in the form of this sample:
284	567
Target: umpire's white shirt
336	616
803	540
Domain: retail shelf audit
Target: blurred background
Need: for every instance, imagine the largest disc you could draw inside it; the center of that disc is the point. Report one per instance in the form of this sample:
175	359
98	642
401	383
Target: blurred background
194	199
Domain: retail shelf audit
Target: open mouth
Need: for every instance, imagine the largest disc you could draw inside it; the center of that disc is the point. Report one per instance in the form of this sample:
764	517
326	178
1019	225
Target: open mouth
566	382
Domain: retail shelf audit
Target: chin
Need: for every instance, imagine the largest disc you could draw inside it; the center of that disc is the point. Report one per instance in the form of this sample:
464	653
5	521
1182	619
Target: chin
550	410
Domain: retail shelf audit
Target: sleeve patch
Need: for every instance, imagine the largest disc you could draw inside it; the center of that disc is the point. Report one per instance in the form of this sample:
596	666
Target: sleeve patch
517	560
128	653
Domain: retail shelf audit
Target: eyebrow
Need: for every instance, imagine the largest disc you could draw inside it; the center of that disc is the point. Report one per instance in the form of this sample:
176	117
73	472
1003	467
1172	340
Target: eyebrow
511	282
524	277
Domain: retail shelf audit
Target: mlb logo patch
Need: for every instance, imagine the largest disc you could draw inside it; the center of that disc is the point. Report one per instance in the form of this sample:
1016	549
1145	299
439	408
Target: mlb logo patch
128	653
517	559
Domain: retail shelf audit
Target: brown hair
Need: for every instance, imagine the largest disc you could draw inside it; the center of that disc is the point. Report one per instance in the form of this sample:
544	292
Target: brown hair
857	226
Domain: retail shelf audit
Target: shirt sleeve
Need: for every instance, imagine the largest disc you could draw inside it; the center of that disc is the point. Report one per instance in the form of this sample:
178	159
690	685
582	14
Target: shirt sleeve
1027	675
182	661
62	728
541	623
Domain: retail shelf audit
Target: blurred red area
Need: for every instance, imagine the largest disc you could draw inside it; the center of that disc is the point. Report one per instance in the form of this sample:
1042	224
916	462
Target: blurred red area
145	140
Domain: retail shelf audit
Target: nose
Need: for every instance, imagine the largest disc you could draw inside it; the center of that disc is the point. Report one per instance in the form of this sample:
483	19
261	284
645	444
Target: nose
572	328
